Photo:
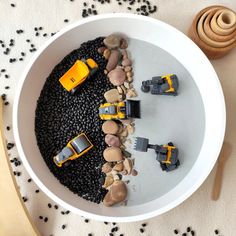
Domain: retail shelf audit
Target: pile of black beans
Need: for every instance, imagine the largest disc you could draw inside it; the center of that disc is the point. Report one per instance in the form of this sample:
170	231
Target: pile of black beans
61	116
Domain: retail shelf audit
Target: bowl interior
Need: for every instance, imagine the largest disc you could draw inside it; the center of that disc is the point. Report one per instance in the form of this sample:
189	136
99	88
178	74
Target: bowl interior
187	119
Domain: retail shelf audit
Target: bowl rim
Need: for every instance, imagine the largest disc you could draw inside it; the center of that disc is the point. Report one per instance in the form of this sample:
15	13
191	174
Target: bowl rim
66	205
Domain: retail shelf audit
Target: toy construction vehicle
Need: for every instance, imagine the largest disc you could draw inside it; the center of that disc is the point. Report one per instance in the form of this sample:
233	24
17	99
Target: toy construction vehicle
167	155
77	74
77	147
163	85
118	111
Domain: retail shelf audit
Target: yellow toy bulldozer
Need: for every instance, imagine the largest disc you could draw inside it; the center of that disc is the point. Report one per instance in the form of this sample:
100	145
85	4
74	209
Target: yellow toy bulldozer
77	74
118	111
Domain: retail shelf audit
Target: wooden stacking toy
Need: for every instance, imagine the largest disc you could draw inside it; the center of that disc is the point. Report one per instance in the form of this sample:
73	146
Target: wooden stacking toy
214	31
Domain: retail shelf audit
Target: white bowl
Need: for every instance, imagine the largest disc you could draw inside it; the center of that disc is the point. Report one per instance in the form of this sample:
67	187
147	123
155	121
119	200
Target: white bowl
192	60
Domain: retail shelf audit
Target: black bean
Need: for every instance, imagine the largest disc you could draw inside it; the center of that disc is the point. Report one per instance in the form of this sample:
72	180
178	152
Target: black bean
7	87
176	231
46	219
49	205
40	217
184	234
144	224
141	230
86	220
56	207
6	76
188	229
29	180
216	231
63	226
192	233
37	190
90	234
66	20
13	5
3	70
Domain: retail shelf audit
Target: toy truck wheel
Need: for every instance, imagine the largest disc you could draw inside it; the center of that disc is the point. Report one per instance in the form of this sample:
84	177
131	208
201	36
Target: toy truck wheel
75	90
93	71
67	163
145	88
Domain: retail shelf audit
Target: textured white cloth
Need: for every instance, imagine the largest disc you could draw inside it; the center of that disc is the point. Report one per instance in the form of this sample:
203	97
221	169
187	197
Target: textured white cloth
199	212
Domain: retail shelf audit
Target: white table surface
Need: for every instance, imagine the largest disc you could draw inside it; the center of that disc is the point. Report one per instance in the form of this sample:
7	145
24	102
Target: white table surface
199	211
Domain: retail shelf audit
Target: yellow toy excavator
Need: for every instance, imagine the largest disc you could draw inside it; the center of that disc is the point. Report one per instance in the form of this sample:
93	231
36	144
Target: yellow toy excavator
77	74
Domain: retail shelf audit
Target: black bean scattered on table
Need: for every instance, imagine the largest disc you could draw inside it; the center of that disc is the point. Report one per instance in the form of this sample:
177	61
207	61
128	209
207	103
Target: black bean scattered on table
192	233
63	226
46	219
141	230
176	231
49	205
216	231
37	191
188	229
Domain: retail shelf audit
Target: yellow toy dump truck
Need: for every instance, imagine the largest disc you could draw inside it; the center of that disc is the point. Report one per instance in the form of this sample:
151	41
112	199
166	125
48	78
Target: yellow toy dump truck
118	111
75	148
77	74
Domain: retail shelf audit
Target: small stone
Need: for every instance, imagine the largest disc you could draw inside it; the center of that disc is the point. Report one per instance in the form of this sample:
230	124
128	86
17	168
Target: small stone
117	76
108	181
123	43
116	194
124	53
126	62
134	172
124	89
128	166
127	121
129	74
112	41
131	93
127	85
110	127
121	97
113	60
130	129
101	50
106	168
127	68
118	167
112	154
111	95
107	53
120	91
112	140
130	79
124	133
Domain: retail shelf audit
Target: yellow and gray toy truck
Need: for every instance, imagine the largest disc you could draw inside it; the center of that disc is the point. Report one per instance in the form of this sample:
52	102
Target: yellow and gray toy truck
121	110
75	148
77	74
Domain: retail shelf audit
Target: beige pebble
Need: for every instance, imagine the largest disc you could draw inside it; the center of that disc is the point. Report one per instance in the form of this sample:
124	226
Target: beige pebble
129	74
124	89
127	68
127	85
123	43
101	50
134	172
127	121
117	76
117	193
112	154
130	129
105	71
111	95
119	90
118	167
124	53
116	177
106	167
130	78
112	41
126	62
108	181
107	53
113	60
112	140
110	127
128	165
124	133
121	97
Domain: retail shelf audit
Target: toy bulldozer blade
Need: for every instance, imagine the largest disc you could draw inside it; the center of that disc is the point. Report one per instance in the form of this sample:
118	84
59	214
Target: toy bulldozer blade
133	109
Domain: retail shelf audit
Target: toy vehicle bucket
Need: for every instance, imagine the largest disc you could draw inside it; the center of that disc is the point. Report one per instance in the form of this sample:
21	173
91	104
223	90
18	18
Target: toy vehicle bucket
133	109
